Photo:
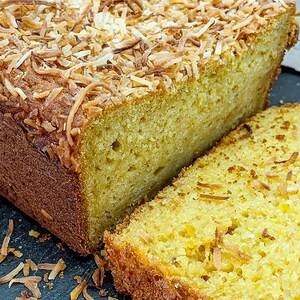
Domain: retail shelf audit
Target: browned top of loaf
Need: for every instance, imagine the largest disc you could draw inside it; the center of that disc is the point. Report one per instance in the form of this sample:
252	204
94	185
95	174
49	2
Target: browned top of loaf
63	62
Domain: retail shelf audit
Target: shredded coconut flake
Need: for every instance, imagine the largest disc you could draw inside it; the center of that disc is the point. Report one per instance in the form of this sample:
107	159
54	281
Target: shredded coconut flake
60	266
12	274
10	229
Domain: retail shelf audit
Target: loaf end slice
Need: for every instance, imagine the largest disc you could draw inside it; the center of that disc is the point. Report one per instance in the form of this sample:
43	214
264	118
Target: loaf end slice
228	226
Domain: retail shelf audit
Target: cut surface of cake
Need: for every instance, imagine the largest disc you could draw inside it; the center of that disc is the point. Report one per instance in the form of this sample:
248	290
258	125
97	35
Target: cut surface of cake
227	228
103	102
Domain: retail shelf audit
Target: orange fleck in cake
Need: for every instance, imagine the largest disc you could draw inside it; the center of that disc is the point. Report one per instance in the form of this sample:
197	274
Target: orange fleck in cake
102	102
227	228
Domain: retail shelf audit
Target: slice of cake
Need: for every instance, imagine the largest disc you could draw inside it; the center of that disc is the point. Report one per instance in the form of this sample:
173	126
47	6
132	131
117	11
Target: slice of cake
227	228
102	102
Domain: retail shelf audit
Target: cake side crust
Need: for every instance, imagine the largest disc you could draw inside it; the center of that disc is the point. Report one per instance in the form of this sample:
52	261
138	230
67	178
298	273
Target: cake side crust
147	281
42	189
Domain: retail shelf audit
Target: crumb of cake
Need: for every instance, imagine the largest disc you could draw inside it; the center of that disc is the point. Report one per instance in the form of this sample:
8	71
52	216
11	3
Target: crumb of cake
25	296
60	246
99	261
98	277
50	285
61	275
45	277
103	293
45	237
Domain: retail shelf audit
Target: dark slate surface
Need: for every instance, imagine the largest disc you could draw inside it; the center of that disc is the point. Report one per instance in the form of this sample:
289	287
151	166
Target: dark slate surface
286	89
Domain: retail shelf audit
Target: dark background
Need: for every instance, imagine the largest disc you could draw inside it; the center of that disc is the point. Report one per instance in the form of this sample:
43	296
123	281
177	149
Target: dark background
286	89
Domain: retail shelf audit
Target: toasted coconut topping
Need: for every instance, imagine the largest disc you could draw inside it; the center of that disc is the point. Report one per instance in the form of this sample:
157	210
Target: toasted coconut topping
12	274
99	261
260	186
17	253
283	189
26	269
209	185
60	266
32	264
76	292
289	161
144	236
25	296
98	277
289	175
6	240
46	266
86	295
45	237
217	249
246	126
32	285
213	197
234	251
34	279
265	235
46	215
272	174
67	60
217	258
34	233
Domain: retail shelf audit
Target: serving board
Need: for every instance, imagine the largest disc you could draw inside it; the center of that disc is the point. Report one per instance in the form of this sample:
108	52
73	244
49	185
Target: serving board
286	89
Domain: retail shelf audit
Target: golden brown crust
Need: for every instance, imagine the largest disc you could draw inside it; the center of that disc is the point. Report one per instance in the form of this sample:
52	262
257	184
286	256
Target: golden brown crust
146	282
45	191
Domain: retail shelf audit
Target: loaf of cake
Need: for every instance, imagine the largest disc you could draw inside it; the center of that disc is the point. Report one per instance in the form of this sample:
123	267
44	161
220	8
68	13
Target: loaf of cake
103	102
227	228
